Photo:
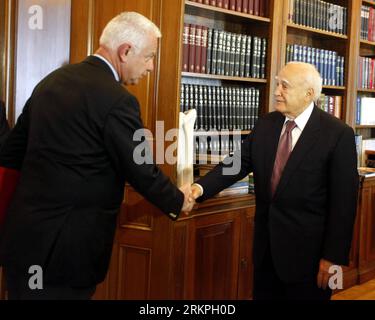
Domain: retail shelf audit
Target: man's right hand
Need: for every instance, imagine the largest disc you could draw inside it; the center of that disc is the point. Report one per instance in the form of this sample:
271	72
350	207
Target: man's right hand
196	192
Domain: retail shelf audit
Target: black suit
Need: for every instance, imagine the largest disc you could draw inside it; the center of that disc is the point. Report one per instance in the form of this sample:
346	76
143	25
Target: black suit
312	213
74	146
4	127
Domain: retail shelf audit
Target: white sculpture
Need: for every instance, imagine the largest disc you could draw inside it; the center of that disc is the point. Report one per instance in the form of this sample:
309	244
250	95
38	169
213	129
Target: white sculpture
185	152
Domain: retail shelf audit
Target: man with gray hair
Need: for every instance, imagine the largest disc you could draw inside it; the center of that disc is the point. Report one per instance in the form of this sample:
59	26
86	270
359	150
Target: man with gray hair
74	147
306	184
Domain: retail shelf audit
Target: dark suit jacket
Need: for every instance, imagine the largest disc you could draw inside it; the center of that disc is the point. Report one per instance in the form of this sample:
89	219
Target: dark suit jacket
74	146
4	127
312	213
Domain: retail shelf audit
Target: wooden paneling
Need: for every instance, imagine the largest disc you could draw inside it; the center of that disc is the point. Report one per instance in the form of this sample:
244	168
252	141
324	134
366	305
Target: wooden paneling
137	212
7	43
178	272
53	37
367	231
2	48
245	278
81	15
134	273
371	228
216	251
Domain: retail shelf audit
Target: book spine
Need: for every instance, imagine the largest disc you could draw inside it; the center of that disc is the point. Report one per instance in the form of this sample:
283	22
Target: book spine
251	7
243	55
192	48
245	6
263	59
185	42
198	49
262	8
215	43
204	49
248	56
256	7
239	5
209	51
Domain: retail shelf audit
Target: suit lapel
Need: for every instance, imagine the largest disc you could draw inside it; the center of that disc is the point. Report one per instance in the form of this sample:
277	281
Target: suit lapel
306	141
272	142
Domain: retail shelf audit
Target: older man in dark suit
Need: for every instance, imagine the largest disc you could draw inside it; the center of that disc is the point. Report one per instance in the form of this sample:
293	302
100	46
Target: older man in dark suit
74	147
306	184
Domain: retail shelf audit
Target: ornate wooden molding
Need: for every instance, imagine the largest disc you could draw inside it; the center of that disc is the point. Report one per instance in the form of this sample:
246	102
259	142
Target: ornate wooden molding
91	27
9	53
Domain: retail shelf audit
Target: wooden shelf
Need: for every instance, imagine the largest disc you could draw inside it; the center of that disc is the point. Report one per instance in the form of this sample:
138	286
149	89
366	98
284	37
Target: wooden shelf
219	77
368	43
365	127
334	88
227	12
210	159
219	133
317	31
366	90
367	2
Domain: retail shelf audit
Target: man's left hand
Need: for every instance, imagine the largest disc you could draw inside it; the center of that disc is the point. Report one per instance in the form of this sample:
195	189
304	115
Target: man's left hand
324	275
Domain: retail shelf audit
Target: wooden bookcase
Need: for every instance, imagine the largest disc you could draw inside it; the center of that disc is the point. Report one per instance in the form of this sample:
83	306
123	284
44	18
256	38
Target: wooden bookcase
213	17
365	49
208	255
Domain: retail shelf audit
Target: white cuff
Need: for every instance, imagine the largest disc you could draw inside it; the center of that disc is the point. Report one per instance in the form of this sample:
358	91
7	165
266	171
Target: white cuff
200	188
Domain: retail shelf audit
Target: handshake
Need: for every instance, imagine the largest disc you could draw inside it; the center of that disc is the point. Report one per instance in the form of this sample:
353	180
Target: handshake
191	193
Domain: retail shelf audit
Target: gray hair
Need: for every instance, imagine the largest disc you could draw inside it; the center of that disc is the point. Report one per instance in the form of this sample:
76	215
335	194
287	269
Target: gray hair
128	27
312	78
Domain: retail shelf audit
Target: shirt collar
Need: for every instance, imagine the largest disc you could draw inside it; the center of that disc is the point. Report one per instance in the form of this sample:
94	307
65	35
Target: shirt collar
109	65
303	118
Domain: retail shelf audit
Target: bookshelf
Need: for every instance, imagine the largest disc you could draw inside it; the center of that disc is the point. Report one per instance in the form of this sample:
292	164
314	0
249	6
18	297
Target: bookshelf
365	87
286	30
303	31
221	77
217	12
222	52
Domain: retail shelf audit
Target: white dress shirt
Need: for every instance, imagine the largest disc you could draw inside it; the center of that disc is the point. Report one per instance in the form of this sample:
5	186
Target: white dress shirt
109	65
301	122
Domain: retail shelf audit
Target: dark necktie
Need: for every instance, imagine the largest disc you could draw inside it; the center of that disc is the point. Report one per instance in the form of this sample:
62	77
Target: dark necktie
283	152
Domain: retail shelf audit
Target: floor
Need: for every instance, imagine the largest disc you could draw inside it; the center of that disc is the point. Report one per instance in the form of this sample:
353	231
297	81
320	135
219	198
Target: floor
365	291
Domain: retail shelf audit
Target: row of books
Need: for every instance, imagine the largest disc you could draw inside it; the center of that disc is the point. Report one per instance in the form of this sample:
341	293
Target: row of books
218	52
216	147
244	186
331	104
319	15
364	145
365	111
254	7
366	74
368	23
330	65
221	108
